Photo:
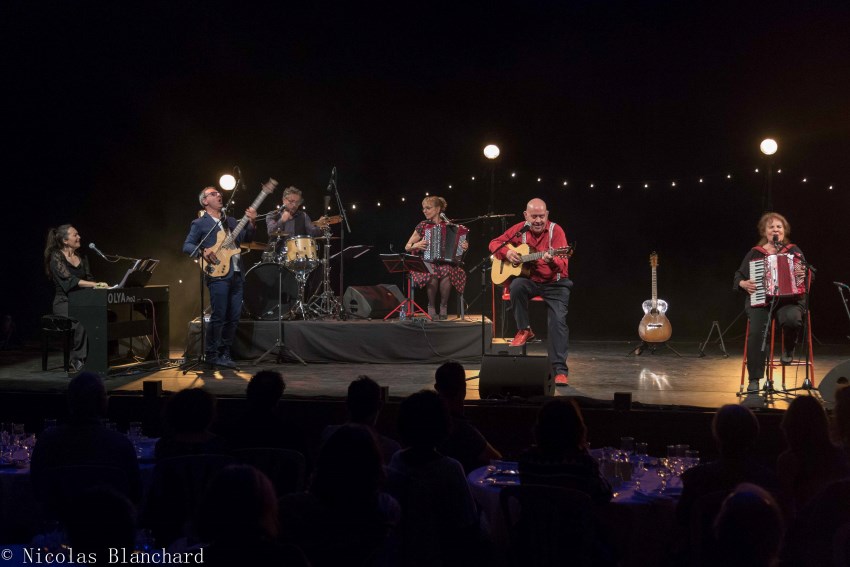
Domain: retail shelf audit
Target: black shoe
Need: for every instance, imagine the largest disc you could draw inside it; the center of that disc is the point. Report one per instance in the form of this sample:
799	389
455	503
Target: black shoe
225	360
443	317
753	387
786	358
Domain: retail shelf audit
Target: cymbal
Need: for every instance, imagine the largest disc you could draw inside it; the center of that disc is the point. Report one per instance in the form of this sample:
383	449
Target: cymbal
325	221
253	245
279	233
326	237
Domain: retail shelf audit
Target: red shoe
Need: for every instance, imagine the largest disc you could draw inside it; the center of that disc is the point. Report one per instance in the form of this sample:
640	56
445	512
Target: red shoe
562	380
522	337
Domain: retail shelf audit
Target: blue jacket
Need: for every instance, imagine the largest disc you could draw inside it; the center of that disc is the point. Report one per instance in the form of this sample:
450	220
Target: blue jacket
201	225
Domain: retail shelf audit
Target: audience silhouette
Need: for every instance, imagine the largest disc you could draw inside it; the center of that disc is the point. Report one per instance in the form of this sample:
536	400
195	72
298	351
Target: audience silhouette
465	443
439	518
748	528
559	456
811	461
262	423
84	442
238	520
346	500
189	414
364	405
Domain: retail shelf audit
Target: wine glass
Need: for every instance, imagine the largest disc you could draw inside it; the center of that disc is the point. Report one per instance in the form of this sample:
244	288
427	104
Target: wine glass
638	472
691	458
663	472
627	445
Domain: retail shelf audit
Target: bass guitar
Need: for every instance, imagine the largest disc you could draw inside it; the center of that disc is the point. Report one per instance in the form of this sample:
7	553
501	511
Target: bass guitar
225	244
654	327
503	269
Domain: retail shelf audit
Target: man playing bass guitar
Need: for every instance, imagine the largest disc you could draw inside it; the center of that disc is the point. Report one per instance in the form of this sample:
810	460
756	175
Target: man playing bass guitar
548	277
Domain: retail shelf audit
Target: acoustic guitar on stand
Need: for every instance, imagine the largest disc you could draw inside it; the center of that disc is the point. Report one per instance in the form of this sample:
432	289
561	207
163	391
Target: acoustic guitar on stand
503	269
654	327
225	244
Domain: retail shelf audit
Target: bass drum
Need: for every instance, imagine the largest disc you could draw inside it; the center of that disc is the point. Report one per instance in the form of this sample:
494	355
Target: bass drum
260	296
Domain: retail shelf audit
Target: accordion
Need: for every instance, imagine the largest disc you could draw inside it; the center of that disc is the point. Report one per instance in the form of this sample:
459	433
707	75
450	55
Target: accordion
775	276
444	243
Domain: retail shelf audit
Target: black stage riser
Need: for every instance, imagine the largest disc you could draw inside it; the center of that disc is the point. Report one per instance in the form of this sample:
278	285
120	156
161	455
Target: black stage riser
391	341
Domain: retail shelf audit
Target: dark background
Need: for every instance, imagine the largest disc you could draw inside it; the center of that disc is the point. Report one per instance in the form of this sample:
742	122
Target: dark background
117	114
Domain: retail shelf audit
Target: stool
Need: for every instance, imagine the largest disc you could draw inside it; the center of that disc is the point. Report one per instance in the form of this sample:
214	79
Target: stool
57	325
506	296
774	362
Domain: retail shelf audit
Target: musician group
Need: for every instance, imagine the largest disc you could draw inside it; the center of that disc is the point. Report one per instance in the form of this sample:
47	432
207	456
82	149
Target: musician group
545	276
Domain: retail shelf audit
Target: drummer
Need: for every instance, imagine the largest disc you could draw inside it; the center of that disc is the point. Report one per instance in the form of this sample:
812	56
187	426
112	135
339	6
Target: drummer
291	220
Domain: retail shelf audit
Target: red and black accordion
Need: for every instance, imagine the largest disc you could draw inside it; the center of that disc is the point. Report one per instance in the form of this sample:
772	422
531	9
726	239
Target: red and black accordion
776	276
444	243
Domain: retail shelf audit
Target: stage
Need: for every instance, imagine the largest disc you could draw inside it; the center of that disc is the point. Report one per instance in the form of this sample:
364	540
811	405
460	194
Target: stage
598	369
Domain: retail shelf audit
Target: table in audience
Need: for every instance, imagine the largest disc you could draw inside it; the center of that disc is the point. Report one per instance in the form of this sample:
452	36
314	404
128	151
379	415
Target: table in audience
641	523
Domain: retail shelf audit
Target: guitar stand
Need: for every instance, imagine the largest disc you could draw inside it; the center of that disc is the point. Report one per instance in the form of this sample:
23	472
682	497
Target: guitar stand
714	325
637	351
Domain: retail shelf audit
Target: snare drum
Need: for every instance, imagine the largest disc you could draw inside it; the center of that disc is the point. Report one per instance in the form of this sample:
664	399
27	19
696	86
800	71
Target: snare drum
270	253
300	254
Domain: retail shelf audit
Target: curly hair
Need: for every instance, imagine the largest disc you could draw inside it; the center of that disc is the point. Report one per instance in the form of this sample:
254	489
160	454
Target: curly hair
763	222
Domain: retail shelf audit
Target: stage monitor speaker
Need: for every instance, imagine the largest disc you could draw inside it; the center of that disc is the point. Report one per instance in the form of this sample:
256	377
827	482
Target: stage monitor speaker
371	301
838	377
523	376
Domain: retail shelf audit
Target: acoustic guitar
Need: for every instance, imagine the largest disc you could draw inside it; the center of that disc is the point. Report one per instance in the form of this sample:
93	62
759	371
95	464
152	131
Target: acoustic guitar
225	244
654	327
503	269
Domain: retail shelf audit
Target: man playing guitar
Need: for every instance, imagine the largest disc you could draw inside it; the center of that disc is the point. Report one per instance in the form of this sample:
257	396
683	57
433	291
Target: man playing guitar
548	278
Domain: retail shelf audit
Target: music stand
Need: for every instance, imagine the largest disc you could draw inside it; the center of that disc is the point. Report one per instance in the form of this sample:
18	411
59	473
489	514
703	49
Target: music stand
406	263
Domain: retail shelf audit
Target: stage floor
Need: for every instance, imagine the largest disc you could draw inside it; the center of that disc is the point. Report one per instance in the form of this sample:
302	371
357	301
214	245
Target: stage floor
597	370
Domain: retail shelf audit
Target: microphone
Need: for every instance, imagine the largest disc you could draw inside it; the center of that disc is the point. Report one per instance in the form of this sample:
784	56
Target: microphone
445	218
327	205
331	181
776	241
524	229
844	285
99	253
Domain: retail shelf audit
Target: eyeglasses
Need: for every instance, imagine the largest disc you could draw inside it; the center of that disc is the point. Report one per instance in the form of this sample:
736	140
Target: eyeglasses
212	194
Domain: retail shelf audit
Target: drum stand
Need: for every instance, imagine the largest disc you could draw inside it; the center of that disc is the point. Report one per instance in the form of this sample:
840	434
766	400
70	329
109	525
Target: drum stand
299	307
326	304
279	344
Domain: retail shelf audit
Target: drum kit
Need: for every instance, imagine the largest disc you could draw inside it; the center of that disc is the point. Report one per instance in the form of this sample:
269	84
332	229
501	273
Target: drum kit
275	287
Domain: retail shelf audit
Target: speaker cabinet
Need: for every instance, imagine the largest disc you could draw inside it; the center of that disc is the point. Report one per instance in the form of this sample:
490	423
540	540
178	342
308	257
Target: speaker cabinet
371	301
523	376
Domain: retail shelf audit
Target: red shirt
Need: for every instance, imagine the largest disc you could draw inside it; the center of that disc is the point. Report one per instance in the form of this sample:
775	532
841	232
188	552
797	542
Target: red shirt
541	272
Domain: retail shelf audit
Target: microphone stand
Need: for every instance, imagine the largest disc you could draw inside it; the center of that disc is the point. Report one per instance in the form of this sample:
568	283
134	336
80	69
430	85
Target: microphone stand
841	287
346	226
482	265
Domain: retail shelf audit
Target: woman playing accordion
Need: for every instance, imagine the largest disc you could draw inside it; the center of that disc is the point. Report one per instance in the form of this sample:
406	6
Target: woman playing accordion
443	272
774	231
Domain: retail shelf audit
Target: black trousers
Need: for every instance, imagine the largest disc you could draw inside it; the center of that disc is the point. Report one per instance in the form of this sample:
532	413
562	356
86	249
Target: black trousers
789	318
557	297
